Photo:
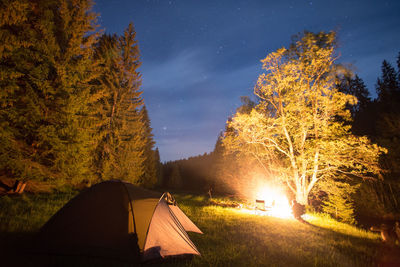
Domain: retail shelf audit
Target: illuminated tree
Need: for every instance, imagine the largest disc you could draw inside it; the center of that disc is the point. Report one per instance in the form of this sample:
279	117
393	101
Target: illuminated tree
121	151
13	19
294	131
46	62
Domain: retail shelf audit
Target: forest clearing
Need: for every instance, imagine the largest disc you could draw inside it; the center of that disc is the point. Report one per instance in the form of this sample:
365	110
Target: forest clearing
231	237
279	152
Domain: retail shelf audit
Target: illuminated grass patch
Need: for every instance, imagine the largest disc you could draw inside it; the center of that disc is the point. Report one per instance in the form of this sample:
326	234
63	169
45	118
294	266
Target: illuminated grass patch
231	237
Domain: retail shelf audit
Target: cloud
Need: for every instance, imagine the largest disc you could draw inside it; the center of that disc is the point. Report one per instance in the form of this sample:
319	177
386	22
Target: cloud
198	58
189	104
180	71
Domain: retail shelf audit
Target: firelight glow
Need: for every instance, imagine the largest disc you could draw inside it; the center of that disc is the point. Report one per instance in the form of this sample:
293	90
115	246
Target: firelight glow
276	202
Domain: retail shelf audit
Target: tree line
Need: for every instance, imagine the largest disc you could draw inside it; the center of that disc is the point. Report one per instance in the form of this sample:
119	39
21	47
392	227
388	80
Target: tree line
313	127
72	111
379	119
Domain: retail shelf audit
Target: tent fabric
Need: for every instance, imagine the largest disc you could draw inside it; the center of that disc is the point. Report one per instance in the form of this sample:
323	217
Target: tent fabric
90	222
116	219
187	224
166	236
142	220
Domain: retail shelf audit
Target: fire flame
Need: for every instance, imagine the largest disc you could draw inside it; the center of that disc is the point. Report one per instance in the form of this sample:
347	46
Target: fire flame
276	203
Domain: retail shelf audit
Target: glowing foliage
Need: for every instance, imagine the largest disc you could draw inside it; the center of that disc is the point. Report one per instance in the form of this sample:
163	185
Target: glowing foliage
297	130
70	103
46	74
119	154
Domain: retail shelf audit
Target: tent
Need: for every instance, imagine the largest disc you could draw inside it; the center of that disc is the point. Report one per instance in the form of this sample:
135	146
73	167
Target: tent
119	220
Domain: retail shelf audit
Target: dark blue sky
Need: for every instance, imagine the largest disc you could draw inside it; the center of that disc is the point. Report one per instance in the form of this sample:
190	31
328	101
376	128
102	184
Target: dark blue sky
199	57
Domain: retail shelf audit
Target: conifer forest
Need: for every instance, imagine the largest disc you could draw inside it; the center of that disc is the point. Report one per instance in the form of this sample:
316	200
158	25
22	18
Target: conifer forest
75	111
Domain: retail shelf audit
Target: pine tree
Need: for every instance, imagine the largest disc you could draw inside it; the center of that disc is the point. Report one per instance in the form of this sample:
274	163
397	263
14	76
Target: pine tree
14	22
356	87
381	121
175	178
50	115
218	165
105	155
388	88
120	153
159	168
363	112
387	124
74	40
398	67
339	202
149	177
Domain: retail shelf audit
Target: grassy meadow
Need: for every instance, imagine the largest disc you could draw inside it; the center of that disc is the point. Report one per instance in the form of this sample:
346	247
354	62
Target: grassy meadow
231	237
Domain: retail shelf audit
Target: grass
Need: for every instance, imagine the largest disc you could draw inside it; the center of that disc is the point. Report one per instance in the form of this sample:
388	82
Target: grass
231	237
28	212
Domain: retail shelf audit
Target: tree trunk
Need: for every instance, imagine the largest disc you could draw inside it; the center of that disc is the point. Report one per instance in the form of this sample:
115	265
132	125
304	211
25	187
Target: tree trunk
302	196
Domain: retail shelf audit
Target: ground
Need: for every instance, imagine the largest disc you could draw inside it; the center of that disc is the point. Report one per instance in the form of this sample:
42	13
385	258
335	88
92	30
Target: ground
231	237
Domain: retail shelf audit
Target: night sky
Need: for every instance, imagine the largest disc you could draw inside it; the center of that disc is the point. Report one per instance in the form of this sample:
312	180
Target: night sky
199	57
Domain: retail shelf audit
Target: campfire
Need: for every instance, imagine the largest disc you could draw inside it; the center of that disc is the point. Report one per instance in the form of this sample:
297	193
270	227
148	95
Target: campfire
270	201
273	202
